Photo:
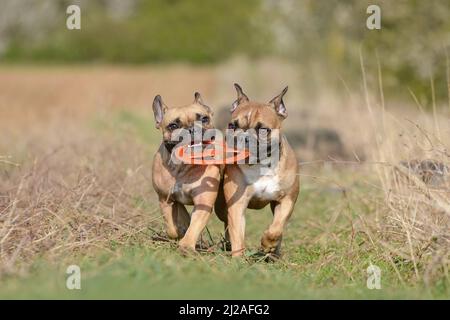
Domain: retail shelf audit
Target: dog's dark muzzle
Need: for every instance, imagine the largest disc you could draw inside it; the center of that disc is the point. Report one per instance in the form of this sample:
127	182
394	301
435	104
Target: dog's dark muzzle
193	136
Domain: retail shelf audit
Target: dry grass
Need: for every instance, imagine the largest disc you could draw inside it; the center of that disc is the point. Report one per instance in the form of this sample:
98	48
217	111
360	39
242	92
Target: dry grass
82	194
417	199
414	221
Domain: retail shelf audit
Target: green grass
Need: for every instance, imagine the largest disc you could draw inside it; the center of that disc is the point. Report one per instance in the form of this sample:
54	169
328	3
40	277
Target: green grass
161	273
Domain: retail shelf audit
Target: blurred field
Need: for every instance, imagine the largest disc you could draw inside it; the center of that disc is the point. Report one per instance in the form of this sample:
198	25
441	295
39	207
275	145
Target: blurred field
75	188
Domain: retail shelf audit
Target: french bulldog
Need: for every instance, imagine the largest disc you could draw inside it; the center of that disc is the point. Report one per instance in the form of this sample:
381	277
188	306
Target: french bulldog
179	184
256	185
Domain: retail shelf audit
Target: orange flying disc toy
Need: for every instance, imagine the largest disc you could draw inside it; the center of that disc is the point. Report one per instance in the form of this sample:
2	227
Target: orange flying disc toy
211	152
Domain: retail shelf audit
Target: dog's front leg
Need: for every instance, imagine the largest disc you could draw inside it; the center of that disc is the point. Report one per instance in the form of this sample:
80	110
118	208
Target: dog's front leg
199	219
204	197
271	239
237	198
236	228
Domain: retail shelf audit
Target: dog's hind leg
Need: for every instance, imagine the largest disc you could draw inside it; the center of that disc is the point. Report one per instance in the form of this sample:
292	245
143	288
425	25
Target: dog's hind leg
176	218
169	214
183	219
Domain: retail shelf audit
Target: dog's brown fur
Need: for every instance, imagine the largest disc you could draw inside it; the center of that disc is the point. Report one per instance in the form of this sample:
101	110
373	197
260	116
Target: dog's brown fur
178	185
243	185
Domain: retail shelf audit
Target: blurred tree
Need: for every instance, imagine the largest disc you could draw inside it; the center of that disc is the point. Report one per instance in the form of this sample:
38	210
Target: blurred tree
138	31
328	36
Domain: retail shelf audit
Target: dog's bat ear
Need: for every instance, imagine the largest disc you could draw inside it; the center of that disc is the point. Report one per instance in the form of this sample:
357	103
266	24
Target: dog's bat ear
158	110
241	97
279	105
198	98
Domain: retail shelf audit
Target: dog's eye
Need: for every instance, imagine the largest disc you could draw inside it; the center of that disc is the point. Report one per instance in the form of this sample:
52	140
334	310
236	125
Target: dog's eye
205	120
231	126
172	126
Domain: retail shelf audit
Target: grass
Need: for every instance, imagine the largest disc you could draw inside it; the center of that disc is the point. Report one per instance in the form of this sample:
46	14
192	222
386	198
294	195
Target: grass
160	273
78	191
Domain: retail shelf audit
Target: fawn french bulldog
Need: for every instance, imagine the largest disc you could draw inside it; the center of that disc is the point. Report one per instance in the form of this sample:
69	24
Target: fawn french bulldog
256	185
180	184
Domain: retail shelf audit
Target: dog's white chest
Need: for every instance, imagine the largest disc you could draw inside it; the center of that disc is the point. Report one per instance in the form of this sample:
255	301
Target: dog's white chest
267	187
266	184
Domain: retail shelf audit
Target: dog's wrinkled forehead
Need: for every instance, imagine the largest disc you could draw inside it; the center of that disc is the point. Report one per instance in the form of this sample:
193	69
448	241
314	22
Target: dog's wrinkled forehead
254	114
186	115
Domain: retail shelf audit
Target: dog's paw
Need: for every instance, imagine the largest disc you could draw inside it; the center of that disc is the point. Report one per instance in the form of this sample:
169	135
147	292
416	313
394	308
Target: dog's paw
187	251
267	254
270	240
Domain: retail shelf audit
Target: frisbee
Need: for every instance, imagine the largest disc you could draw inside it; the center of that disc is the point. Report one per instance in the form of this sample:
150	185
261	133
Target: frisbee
211	152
